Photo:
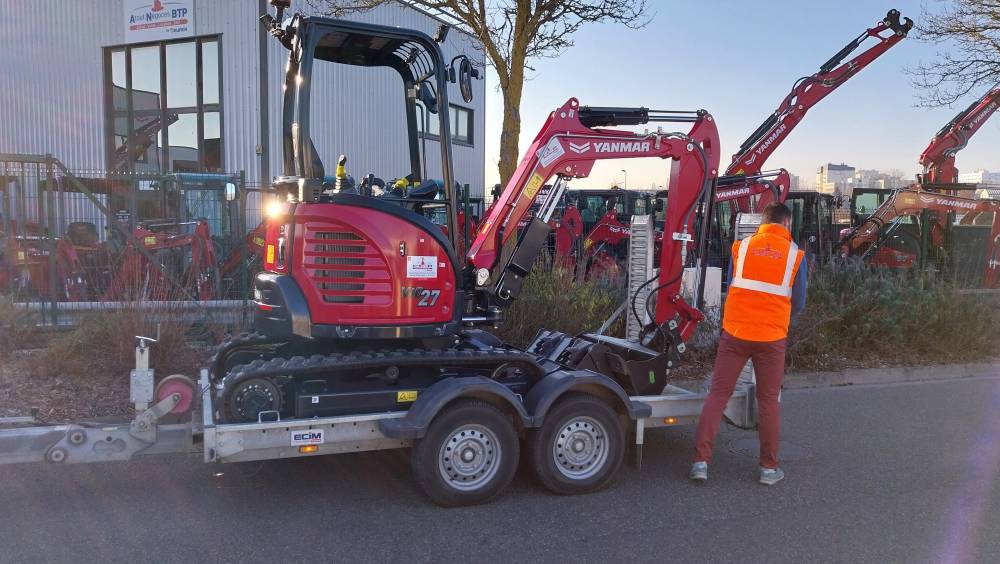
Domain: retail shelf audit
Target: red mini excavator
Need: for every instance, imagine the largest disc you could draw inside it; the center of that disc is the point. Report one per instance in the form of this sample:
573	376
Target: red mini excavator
364	306
873	240
892	236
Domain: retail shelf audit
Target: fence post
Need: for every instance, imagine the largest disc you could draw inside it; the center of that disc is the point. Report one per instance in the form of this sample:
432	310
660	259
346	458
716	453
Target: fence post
50	232
244	244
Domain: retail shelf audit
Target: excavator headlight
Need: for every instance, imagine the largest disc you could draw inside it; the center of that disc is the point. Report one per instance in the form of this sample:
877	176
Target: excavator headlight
273	209
482	277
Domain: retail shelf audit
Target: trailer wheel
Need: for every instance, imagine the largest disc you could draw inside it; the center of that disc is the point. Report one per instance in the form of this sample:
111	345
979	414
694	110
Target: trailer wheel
468	455
580	446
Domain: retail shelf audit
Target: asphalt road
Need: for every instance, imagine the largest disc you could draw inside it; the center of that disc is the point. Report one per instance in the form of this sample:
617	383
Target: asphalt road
897	473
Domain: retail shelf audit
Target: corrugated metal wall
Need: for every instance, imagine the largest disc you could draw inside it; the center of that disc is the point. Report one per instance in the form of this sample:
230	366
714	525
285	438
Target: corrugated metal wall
52	96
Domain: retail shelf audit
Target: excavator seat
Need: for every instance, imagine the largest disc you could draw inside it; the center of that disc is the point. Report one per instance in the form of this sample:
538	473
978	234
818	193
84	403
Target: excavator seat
82	234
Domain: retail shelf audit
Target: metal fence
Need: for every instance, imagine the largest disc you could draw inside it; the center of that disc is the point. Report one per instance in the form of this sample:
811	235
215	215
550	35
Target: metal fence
102	237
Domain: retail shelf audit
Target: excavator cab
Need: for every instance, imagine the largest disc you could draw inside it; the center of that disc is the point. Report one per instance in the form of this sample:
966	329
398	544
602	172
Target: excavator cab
362	260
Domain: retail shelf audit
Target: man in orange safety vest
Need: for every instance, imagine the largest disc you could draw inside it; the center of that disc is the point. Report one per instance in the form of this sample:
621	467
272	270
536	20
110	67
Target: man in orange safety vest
768	285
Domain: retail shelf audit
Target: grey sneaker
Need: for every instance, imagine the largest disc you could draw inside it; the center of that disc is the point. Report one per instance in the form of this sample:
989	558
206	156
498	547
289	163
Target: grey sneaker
699	471
771	476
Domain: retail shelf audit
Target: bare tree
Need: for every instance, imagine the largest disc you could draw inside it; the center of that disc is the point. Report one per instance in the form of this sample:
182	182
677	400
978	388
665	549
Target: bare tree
971	31
512	34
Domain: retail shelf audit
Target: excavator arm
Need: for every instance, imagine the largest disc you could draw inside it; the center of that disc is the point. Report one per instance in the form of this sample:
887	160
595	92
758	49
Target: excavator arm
938	159
808	91
571	141
912	201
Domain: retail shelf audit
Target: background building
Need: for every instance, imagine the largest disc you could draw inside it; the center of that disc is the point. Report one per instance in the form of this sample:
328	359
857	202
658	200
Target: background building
835	179
980	177
794	182
867	178
153	86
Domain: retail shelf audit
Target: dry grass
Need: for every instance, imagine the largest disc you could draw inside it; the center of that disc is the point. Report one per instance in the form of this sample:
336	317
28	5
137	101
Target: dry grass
17	328
84	373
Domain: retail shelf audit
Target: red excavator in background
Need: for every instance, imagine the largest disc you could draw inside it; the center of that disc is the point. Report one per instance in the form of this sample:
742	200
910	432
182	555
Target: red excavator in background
364	306
920	221
745	185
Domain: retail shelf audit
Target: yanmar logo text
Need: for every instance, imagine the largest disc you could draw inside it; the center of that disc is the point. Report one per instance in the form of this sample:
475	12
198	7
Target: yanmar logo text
767	143
732	193
948	202
987	112
611	147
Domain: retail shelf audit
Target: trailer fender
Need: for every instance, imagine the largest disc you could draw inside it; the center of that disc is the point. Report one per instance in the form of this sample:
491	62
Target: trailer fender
433	399
547	391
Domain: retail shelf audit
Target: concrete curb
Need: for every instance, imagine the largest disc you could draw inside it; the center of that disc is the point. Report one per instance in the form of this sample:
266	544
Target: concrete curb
796	381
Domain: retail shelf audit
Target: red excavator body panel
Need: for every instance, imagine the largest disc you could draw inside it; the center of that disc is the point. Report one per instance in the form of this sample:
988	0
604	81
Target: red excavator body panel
359	266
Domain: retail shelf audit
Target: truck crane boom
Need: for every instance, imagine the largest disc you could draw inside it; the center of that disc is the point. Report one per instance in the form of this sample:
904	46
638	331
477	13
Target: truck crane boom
938	159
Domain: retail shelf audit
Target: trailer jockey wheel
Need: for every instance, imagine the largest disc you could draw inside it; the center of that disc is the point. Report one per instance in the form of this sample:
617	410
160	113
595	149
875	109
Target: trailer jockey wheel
176	384
580	446
248	399
468	455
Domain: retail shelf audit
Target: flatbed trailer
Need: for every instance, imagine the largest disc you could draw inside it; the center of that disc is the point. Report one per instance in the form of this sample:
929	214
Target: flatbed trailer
79	443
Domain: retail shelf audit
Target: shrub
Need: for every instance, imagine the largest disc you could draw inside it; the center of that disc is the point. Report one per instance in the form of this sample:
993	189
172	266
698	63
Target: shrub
552	299
18	328
856	316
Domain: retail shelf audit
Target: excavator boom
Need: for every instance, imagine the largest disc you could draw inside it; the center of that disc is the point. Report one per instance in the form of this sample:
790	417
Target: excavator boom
808	91
567	146
938	159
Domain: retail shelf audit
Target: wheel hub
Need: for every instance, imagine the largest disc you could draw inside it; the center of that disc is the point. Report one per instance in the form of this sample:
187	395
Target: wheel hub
256	396
469	458
580	448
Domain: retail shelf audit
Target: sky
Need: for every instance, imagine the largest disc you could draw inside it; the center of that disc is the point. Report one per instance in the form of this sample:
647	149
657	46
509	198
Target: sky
738	60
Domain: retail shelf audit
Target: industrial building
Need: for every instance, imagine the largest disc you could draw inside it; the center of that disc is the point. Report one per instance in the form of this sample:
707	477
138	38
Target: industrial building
168	86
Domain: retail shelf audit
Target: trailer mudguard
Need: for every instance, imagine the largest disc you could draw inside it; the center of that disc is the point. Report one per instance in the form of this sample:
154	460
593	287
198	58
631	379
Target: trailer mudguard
432	400
549	389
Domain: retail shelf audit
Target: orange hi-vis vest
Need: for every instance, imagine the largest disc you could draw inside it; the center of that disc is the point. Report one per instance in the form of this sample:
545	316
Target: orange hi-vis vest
759	304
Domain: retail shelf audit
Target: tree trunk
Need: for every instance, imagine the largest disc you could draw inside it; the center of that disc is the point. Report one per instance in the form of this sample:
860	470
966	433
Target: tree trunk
511	133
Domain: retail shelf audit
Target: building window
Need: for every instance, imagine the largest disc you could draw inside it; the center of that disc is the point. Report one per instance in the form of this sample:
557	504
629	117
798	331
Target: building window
460	118
164	106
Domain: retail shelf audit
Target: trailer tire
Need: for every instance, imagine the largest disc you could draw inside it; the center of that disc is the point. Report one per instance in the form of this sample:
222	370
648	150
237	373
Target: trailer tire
579	447
486	440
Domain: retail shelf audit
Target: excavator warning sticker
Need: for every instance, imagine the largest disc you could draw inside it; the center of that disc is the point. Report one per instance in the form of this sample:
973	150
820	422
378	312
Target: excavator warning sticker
533	185
550	152
406	397
421	267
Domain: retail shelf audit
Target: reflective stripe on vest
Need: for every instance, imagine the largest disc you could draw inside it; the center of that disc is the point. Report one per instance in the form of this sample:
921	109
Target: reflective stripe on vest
784	289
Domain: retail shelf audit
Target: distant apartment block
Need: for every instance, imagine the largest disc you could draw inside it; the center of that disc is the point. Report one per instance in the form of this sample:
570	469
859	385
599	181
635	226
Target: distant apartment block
837	179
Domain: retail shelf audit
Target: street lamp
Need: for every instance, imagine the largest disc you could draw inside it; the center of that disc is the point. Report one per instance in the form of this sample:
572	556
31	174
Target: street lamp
626	179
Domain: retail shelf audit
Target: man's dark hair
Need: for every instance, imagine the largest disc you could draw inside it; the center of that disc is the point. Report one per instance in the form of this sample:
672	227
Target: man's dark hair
775	213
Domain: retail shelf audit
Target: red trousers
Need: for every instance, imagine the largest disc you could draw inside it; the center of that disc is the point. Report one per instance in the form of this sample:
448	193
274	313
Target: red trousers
769	368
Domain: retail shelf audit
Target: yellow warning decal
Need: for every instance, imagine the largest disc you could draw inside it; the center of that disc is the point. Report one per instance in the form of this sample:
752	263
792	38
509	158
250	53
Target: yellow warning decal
406	397
587	243
270	255
259	241
149	241
533	185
